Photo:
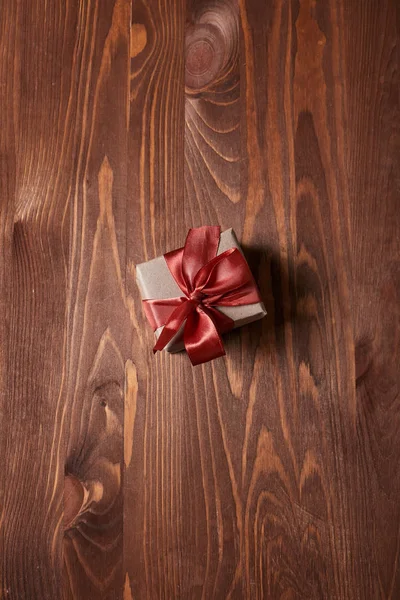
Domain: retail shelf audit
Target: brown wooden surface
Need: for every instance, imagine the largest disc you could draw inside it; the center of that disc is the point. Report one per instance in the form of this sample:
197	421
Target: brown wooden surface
273	472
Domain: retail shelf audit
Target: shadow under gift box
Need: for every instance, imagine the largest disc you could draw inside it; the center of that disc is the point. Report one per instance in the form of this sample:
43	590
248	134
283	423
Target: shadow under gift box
156	282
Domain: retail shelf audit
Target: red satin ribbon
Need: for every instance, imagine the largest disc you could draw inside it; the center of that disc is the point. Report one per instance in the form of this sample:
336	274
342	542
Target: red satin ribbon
207	281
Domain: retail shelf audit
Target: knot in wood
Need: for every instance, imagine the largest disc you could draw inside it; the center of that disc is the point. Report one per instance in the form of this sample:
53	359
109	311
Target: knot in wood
204	54
73	499
212	42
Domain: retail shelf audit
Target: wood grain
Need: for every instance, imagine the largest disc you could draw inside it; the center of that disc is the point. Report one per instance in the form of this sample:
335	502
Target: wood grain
98	326
36	147
273	472
62	413
153	541
374	201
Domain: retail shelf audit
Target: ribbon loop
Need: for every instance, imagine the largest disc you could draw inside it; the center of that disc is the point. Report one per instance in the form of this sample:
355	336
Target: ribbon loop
207	280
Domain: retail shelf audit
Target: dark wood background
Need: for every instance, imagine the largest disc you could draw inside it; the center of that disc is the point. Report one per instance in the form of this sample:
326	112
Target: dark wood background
273	472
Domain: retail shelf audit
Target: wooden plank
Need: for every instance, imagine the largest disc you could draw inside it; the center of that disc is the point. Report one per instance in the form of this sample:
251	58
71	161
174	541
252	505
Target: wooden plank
301	487
213	185
35	154
98	329
213	178
372	60
311	533
64	306
7	195
155	421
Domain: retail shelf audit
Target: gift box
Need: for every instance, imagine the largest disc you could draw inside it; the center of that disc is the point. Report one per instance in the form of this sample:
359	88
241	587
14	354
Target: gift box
191	296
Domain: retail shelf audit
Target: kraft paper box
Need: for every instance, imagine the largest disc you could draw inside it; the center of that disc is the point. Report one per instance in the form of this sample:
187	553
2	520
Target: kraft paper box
155	280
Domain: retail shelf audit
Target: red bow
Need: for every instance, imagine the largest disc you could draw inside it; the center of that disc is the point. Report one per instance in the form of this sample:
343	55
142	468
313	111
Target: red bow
207	280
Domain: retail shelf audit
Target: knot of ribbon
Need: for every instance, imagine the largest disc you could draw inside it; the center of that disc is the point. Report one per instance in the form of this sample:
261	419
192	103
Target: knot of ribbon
207	281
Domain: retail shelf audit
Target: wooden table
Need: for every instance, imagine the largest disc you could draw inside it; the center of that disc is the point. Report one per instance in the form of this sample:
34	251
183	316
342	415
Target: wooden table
273	472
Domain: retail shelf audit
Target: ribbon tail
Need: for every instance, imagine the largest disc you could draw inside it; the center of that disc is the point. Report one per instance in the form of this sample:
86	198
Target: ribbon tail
159	311
201	338
173	324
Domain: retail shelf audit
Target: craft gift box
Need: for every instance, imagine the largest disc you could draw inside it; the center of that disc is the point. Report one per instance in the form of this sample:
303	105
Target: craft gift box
155	281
